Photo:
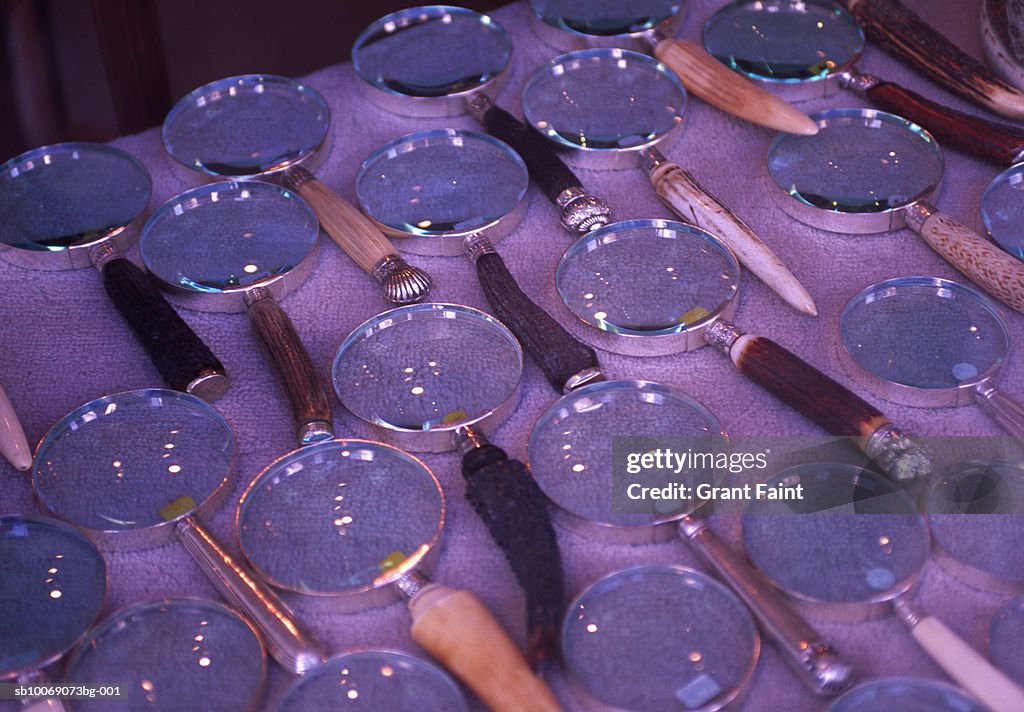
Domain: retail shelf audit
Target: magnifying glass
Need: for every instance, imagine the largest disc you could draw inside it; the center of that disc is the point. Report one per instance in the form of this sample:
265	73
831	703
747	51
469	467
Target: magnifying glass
53	588
905	694
805	50
902	32
853	547
571	459
929	342
648	28
243	245
610	108
654	287
468	62
374	680
976	525
1004	639
445	192
868	171
274	128
312	523
174	654
75	205
138	469
694	648
1002	211
411	376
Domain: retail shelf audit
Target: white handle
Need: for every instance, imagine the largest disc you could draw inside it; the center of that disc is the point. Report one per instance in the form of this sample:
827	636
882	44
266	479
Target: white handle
967	667
13	444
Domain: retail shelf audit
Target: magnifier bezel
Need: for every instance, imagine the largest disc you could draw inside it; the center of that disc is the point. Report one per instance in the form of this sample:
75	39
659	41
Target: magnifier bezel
920	397
48	658
874	607
660	342
440	438
853	223
448	105
384	589
450	243
230	299
822	85
659	529
118	620
565	39
605	158
310	159
78	256
579	687
156	534
1014	244
842	704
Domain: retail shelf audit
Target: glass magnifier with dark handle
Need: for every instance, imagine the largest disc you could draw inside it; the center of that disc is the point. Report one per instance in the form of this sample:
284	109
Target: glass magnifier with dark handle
805	50
77	205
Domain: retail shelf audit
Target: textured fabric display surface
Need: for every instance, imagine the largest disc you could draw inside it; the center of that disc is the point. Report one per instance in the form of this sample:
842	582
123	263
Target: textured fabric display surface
64	344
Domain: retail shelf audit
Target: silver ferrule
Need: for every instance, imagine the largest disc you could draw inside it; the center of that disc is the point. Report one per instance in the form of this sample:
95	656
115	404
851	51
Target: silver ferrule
477	245
256	294
690	526
103	253
652	38
412	583
468	438
916	214
209	385
650	158
402	282
856	82
899	455
478	104
906	613
315	431
587	375
582	212
722	335
828	672
295	177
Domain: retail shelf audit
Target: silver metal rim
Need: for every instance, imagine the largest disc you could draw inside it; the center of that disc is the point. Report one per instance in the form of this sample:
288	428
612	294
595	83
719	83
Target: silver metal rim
232	299
451	243
79	256
385	589
310	159
964	394
841	703
448	105
605	158
648	343
844	222
566	40
439	439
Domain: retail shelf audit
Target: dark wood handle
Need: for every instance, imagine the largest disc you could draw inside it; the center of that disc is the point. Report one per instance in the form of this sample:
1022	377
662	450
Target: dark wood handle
988	139
806	389
898	30
183	359
510	503
546	169
292	364
556	351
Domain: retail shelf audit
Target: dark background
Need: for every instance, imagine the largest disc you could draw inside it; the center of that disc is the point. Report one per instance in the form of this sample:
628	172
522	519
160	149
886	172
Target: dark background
90	70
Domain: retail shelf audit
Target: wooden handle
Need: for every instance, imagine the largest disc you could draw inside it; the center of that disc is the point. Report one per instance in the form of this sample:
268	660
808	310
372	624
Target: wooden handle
987	139
294	368
899	30
556	351
506	497
458	630
809	391
967	667
712	81
13	443
348	227
688	199
181	357
995	271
